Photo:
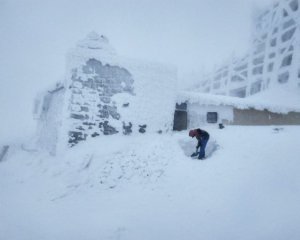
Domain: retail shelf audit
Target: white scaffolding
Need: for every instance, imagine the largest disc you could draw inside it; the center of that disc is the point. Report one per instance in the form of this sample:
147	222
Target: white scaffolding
274	58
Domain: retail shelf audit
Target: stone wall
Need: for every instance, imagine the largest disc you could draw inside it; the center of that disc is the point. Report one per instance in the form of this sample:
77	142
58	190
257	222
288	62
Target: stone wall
92	110
105	94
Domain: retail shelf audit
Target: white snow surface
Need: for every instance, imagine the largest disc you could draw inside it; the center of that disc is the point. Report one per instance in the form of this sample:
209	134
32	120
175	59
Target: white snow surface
147	187
279	100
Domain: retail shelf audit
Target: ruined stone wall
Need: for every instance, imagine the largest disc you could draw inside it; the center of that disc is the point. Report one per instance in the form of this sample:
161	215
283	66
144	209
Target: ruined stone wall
105	94
92	111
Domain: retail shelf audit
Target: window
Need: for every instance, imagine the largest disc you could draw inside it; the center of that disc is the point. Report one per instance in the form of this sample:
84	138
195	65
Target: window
245	74
288	23
273	42
275	30
237	78
217	85
272	55
284	77
258	60
288	35
212	117
239	92
257	70
260	48
270	67
291	48
256	87
294	5
287	61
240	68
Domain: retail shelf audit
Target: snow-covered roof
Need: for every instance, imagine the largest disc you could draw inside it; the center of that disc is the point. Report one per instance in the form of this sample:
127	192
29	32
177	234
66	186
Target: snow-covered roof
274	100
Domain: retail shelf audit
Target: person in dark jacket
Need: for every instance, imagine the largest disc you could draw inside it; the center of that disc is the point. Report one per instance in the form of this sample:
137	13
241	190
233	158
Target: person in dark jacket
202	137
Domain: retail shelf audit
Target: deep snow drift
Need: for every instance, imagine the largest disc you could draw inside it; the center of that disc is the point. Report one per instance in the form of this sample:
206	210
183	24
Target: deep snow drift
145	187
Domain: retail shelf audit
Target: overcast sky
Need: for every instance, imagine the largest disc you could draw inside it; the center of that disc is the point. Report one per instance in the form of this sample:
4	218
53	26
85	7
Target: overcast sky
191	34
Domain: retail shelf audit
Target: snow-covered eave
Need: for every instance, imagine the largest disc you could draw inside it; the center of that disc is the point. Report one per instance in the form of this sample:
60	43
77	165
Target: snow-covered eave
239	103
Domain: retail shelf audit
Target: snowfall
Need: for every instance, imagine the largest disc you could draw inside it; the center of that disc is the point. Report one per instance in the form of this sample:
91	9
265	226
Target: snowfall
148	187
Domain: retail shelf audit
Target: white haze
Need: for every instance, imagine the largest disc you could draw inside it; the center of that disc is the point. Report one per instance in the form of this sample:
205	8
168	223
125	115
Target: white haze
35	36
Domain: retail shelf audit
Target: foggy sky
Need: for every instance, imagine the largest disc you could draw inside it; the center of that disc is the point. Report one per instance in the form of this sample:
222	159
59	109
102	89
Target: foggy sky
36	34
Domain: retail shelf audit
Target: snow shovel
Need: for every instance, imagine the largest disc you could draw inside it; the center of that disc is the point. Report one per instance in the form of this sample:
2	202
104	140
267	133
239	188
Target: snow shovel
194	154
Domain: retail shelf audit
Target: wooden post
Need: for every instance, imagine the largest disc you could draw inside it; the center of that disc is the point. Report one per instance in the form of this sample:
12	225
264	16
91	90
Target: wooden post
3	152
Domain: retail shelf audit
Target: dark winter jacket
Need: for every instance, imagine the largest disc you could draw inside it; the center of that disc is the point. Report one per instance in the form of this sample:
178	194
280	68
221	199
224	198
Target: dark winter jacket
201	135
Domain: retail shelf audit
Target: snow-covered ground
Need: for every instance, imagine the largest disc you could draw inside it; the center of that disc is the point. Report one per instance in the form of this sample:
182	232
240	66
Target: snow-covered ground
145	187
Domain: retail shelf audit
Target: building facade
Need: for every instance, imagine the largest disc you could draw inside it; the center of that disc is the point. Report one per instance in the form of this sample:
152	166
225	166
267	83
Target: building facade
195	109
273	59
105	94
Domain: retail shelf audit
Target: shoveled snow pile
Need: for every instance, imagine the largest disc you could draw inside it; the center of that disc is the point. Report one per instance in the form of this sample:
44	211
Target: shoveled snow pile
147	187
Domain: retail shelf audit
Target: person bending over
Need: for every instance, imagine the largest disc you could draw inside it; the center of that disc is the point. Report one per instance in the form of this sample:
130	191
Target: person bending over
202	137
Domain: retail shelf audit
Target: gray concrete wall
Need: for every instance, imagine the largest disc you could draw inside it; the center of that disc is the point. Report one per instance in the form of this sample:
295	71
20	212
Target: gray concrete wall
256	117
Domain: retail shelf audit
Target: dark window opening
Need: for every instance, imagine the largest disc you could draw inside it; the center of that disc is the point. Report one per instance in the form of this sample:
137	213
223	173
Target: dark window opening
275	30
287	60
271	55
240	92
256	87
270	67
212	117
288	35
273	42
284	77
257	70
294	5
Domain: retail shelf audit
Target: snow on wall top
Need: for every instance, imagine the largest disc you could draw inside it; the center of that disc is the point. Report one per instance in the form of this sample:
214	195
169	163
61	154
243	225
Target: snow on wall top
95	41
96	46
268	100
